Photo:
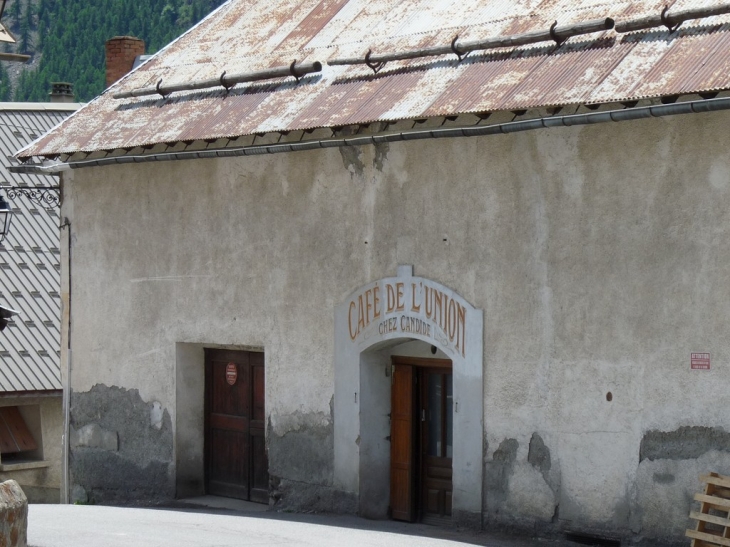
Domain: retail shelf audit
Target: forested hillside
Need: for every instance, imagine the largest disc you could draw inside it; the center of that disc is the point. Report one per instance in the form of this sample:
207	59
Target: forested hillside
66	38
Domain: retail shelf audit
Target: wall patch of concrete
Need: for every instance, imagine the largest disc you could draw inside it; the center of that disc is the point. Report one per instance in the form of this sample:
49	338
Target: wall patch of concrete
497	473
664	478
93	436
521	494
119	450
301	454
666	489
529	499
310	498
685	443
539	455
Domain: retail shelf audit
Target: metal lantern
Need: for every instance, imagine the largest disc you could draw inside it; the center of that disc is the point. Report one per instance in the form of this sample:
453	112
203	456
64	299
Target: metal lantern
6	215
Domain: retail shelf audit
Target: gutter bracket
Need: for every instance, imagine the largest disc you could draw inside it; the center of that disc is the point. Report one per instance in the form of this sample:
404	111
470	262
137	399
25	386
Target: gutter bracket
159	84
665	21
293	71
375	67
223	82
460	54
554	35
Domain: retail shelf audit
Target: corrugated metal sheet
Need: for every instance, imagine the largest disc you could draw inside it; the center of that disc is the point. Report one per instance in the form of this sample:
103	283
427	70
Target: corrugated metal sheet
30	260
248	35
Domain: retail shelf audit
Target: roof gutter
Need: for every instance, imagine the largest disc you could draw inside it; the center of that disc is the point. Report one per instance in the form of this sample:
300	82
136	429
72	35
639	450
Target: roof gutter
637	113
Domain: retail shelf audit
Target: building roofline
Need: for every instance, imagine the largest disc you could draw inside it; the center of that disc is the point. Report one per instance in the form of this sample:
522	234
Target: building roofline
40	107
543	122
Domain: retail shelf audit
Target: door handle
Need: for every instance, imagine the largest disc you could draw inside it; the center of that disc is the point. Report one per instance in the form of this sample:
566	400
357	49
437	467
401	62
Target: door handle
423	414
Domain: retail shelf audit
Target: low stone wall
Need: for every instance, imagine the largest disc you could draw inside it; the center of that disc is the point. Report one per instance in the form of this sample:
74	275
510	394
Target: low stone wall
13	515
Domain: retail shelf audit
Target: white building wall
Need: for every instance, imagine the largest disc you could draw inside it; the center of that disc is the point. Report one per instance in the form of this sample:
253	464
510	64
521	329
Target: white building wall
599	254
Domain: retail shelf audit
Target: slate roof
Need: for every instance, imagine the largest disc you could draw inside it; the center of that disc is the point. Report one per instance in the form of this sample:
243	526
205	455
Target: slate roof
252	35
30	259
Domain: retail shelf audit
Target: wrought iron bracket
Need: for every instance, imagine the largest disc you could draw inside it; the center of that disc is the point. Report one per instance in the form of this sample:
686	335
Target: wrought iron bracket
374	66
665	21
48	197
554	35
460	54
159	90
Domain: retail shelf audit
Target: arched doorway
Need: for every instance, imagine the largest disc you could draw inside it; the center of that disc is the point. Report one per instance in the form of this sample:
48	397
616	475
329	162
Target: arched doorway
406	316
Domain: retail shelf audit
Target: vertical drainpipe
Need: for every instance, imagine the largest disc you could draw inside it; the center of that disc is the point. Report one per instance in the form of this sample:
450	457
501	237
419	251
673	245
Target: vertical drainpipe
66	498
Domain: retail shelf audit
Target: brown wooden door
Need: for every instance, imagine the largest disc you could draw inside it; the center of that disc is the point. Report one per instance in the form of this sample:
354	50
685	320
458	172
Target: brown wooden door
421	436
236	463
402	454
436	446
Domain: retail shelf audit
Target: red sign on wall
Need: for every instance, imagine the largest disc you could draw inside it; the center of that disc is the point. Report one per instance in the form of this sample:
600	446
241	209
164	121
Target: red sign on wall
700	361
231	373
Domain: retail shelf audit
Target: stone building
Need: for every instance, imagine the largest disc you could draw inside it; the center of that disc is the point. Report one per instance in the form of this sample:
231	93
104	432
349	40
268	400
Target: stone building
428	260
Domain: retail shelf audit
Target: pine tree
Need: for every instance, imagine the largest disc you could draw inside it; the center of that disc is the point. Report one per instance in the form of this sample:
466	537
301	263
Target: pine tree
72	33
14	11
26	24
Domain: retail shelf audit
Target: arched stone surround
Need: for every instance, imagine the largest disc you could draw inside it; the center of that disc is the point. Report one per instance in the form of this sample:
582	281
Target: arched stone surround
402	308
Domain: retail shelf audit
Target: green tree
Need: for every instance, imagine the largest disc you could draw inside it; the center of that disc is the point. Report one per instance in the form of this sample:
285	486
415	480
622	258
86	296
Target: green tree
26	25
71	36
14	11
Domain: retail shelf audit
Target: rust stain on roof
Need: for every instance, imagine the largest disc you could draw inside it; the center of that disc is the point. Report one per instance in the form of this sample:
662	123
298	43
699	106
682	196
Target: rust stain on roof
252	35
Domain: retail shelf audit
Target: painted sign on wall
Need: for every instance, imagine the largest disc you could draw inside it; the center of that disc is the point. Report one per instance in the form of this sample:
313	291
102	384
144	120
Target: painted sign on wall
409	306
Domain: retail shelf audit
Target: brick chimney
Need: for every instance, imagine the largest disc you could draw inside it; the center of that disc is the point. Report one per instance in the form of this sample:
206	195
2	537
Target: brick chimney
121	51
61	92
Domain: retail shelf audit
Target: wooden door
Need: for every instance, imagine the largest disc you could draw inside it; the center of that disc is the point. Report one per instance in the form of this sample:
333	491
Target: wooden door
402	436
436	446
421	437
236	464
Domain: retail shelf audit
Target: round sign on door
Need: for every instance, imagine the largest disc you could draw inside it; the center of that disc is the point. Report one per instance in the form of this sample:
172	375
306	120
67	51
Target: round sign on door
231	373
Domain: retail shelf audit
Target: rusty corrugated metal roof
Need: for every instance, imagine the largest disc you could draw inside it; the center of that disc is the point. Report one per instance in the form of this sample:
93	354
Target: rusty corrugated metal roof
252	35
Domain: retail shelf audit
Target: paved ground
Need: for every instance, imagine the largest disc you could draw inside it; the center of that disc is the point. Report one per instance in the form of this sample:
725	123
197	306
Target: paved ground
201	525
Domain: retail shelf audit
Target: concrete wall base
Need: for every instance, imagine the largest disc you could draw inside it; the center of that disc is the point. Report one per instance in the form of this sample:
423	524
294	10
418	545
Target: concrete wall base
467	520
312	498
40	494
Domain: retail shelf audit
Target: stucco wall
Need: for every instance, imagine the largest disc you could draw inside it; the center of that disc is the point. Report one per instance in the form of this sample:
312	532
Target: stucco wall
599	254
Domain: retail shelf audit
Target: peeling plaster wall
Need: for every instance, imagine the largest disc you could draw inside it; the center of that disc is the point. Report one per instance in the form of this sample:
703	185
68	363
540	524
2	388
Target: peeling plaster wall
121	447
599	254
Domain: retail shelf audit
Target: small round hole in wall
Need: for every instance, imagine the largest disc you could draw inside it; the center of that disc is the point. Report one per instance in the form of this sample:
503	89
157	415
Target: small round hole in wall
609	396
433	350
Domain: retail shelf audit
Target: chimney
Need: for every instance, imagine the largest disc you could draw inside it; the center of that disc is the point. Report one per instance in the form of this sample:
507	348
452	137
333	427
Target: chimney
61	92
121	51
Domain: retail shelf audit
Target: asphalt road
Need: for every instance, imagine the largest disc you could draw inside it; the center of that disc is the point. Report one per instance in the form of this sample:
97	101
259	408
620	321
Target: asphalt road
98	526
